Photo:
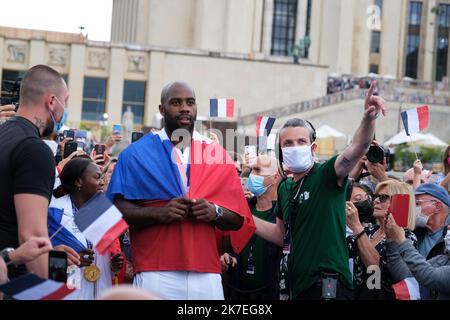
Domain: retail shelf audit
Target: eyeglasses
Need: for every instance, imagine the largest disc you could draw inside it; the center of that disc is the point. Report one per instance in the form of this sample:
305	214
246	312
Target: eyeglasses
418	202
383	197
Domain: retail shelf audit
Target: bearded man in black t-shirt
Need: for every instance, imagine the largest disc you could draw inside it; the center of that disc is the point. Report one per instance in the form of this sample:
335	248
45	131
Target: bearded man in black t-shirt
27	165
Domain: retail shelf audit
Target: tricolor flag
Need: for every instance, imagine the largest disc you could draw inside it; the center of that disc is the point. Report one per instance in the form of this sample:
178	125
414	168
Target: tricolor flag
415	120
407	289
264	126
31	287
221	108
100	222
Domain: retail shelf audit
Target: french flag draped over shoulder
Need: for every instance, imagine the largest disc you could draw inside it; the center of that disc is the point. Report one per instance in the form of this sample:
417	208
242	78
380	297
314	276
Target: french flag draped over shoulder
211	176
221	108
415	120
407	289
264	126
100	222
31	287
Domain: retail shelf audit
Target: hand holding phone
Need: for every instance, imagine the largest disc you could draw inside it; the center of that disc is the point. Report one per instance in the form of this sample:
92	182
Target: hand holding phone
399	208
70	148
117	129
99	149
57	266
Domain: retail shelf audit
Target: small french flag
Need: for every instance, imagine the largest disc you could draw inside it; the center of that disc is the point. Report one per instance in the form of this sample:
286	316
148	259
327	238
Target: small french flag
407	289
264	125
221	108
415	120
31	287
100	222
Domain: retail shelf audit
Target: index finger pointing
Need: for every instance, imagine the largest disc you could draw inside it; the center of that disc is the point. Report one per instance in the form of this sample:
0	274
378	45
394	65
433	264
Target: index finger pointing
372	88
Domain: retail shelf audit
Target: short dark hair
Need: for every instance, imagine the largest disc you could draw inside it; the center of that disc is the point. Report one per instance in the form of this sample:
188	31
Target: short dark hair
72	171
296	122
38	81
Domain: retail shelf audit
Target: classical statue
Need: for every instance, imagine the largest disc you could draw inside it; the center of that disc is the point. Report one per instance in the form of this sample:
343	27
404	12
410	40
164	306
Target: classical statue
127	123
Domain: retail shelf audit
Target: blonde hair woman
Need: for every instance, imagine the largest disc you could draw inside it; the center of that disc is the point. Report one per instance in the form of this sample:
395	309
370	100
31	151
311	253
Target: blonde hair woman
377	235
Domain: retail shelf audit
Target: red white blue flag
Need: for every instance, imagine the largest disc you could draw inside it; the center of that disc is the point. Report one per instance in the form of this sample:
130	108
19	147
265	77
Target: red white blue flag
31	287
415	120
264	126
221	108
407	289
100	222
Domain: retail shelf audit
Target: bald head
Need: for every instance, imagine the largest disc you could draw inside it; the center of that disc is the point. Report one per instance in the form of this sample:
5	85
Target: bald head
169	89
39	81
265	165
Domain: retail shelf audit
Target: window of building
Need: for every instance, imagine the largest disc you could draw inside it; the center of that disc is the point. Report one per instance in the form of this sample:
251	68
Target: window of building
134	96
284	26
373	68
413	39
375	46
442	41
94	99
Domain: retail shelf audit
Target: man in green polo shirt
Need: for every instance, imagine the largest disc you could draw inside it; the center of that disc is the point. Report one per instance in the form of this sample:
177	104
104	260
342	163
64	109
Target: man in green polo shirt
311	222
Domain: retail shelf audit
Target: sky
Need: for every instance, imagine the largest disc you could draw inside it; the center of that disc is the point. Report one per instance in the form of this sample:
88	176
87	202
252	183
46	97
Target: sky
59	15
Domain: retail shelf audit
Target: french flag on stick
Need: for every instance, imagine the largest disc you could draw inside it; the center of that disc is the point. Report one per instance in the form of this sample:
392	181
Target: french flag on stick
264	125
221	108
415	120
100	222
407	289
31	287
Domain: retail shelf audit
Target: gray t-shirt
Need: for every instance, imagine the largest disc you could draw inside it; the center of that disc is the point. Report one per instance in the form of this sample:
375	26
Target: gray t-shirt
429	241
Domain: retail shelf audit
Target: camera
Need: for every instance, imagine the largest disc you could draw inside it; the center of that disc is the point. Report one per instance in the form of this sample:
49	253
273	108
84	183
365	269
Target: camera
375	154
10	92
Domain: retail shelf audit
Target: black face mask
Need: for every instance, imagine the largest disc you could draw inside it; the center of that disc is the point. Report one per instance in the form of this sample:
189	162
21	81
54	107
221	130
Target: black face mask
365	210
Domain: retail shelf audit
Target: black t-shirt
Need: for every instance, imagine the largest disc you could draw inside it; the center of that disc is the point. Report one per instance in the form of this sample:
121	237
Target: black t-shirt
27	165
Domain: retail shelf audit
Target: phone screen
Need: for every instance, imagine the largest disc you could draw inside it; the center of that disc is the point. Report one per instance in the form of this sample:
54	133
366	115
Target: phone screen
135	136
399	208
69	134
70	148
57	266
117	129
100	149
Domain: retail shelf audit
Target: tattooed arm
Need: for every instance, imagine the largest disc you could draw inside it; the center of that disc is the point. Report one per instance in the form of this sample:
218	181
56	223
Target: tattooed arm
363	136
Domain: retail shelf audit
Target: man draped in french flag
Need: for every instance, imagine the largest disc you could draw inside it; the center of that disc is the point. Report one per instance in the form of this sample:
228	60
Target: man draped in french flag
176	190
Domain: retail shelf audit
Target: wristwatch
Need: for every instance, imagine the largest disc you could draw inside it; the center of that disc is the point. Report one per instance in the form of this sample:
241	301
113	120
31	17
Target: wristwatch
5	254
219	212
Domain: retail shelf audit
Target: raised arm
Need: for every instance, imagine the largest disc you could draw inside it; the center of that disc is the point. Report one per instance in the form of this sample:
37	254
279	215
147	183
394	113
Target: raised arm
363	136
272	232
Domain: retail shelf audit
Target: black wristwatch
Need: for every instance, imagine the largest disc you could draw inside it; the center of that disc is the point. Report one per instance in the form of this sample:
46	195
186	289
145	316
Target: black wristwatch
5	254
219	212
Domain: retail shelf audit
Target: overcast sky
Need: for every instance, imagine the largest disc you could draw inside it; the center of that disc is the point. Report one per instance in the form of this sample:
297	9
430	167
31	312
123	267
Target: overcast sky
59	15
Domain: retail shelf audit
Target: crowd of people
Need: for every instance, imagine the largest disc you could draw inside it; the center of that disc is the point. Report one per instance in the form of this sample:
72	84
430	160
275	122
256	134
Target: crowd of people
296	229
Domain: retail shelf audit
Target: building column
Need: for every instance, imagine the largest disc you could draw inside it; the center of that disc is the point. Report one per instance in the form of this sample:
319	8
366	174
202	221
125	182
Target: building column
302	7
37	53
429	25
362	37
76	82
155	83
267	27
114	95
391	44
316	31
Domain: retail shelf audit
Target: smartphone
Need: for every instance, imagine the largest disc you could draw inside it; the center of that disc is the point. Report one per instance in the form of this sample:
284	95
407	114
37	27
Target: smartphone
117	129
70	148
57	266
100	149
399	208
135	136
244	183
250	155
69	134
80	145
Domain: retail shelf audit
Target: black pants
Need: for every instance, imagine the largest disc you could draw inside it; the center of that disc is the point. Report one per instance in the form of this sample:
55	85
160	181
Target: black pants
315	292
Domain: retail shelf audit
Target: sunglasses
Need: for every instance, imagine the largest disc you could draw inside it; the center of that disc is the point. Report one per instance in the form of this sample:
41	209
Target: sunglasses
383	197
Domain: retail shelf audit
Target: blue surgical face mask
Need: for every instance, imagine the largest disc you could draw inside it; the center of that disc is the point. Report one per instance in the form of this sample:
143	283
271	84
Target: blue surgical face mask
256	185
58	125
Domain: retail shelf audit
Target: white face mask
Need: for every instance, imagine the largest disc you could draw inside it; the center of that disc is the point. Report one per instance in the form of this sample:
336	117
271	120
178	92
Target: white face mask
421	219
298	159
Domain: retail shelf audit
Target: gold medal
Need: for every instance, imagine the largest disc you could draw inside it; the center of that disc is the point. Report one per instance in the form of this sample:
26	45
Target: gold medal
92	273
